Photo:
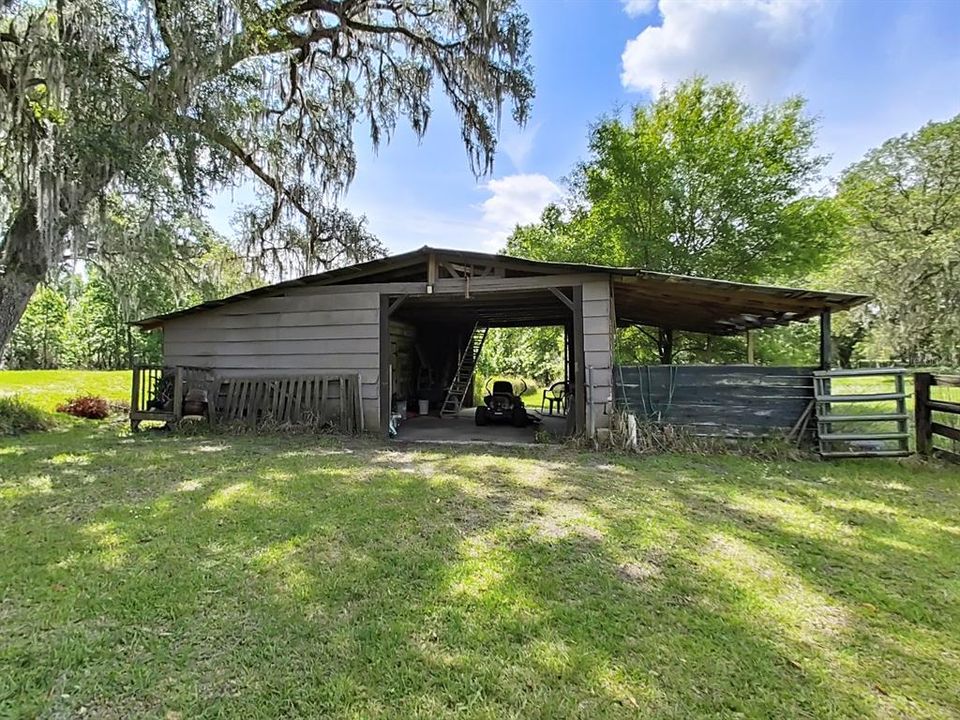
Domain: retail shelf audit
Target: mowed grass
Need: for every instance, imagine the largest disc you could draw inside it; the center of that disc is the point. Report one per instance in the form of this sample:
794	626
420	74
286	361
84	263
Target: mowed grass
169	576
46	389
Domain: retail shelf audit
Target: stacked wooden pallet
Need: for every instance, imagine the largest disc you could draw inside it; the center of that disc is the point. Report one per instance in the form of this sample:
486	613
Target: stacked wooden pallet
291	400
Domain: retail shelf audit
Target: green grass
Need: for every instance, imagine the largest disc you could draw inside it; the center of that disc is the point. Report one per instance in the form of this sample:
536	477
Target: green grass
169	576
48	388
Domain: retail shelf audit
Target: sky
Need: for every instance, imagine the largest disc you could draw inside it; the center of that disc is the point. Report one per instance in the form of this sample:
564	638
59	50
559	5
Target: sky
869	69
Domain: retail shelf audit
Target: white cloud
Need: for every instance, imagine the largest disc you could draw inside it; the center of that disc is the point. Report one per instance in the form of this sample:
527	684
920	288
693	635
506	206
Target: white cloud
518	145
754	43
636	8
515	200
485	226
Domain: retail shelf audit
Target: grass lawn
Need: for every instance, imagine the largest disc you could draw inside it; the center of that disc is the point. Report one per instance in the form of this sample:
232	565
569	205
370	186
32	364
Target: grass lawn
176	577
48	388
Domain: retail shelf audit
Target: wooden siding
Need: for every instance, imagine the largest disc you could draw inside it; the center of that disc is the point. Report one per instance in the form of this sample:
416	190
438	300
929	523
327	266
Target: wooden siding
598	328
326	333
726	400
329	330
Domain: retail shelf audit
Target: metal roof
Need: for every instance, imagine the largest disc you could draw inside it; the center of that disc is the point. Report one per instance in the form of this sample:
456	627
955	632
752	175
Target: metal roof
641	296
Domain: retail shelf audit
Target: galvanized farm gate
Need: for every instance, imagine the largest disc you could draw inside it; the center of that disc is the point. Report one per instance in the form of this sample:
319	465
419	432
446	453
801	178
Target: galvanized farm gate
846	429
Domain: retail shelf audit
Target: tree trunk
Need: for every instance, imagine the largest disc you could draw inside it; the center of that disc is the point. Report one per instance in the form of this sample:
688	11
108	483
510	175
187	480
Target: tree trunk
665	345
23	266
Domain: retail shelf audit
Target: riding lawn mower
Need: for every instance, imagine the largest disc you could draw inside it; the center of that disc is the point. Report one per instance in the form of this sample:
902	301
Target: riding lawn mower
503	404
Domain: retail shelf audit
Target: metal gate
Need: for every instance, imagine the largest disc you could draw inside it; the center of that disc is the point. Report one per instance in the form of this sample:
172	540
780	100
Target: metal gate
855	423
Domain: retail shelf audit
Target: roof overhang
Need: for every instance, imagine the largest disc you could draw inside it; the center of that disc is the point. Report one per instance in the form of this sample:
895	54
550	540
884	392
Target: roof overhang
641	297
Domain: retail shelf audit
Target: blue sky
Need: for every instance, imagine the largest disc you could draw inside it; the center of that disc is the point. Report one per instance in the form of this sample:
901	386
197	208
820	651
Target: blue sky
869	69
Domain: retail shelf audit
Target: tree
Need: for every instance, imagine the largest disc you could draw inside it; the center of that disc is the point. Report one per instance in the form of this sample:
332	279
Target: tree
903	246
531	353
698	182
180	261
38	341
98	96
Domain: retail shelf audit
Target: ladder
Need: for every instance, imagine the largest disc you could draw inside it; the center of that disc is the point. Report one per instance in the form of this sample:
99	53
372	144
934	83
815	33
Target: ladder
461	380
880	431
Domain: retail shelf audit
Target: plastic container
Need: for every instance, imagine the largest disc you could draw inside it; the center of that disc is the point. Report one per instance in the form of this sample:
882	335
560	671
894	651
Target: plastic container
424	406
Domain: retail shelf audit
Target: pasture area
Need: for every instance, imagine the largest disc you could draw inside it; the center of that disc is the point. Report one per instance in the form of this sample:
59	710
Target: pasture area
175	575
46	389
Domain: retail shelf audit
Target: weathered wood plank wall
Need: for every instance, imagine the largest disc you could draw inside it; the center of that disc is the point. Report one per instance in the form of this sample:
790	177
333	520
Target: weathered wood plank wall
727	400
320	333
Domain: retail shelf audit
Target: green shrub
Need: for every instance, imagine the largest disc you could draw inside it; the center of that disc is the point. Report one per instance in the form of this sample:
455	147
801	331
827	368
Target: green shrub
17	416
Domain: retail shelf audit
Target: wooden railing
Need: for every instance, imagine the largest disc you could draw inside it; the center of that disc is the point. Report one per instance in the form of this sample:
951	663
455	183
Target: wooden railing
924	408
157	392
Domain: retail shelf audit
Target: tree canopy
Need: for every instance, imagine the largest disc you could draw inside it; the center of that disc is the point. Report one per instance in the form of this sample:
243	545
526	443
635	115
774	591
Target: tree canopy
698	182
99	96
903	246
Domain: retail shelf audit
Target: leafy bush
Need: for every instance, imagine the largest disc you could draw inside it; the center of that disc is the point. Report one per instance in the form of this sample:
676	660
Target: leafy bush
92	407
17	416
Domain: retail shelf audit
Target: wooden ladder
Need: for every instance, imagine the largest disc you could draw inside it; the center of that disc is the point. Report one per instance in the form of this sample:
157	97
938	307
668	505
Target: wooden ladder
892	441
461	380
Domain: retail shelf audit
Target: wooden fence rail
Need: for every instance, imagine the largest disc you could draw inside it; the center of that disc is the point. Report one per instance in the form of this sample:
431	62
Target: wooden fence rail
924	408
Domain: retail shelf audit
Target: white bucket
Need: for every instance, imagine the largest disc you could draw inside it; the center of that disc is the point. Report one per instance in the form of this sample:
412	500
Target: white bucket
424	406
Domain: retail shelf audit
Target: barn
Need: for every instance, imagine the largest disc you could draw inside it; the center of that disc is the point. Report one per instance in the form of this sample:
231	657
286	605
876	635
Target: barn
366	342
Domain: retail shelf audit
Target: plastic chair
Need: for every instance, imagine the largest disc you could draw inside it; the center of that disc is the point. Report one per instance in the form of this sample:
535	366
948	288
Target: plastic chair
556	394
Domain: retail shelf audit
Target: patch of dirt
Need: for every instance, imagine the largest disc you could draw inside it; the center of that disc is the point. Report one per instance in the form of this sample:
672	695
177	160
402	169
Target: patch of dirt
638	572
644	570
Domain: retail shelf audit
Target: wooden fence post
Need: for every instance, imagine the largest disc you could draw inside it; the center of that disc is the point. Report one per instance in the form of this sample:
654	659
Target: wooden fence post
922	417
178	393
135	398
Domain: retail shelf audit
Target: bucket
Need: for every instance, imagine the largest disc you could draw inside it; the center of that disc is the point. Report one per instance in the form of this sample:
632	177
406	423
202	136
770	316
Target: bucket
424	406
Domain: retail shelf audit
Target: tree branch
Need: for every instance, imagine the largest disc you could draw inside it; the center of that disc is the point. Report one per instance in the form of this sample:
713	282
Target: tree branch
218	137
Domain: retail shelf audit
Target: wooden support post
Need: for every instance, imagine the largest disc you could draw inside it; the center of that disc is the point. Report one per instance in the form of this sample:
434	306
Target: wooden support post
178	394
751	347
579	379
135	399
922	413
385	364
135	390
826	343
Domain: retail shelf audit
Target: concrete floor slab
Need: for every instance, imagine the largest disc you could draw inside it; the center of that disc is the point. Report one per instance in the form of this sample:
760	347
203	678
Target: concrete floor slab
462	429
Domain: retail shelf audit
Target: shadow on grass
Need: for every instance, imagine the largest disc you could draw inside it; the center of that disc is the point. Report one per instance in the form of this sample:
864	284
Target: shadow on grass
268	576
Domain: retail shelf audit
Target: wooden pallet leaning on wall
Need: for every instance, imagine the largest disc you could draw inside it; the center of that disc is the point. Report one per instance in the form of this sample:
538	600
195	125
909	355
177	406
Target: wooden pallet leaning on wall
877	432
929	425
317	400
